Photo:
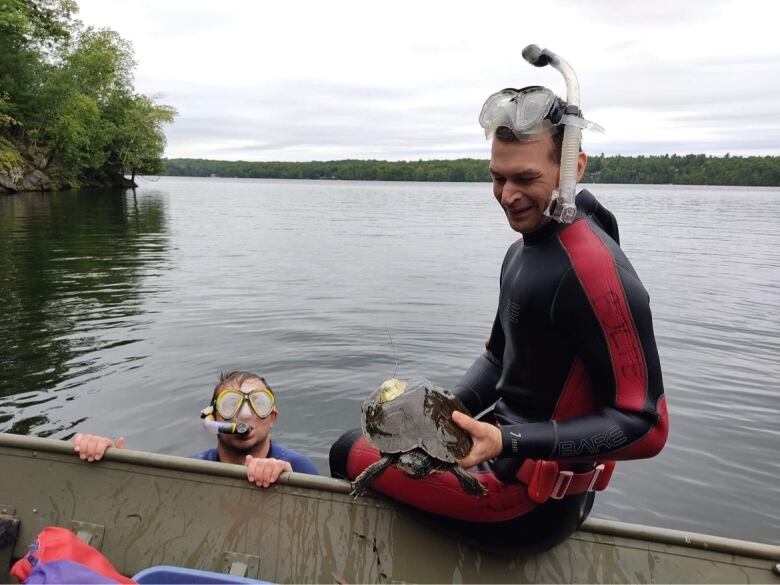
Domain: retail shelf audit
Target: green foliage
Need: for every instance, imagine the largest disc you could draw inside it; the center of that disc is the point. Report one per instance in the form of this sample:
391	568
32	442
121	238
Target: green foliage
690	169
465	169
9	156
100	64
137	143
6	120
31	34
67	91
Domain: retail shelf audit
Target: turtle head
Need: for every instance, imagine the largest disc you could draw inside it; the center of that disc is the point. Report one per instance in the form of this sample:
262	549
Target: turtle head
391	389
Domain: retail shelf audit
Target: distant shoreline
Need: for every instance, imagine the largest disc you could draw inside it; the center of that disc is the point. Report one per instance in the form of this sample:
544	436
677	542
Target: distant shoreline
692	169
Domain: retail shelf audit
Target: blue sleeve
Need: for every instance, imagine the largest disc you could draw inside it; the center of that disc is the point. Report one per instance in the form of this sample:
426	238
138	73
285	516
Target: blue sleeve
302	464
207	455
299	462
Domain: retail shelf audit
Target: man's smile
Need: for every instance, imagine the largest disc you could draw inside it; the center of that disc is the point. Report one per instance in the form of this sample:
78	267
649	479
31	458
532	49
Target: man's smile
517	211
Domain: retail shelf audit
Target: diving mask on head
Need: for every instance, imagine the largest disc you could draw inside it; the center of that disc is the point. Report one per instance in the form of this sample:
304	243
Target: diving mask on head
535	109
527	111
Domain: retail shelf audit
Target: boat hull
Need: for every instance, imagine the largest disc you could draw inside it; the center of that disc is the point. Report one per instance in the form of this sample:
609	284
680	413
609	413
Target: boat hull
142	509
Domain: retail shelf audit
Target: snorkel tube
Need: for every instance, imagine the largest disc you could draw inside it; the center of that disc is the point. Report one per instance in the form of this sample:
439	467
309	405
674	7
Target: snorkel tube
226	428
222	428
562	206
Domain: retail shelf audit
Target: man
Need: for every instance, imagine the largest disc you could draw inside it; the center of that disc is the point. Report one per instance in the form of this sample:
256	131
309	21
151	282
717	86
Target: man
570	375
239	397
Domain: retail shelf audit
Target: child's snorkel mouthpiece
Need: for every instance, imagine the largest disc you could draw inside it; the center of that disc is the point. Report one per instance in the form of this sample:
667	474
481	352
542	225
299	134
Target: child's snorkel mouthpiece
222	428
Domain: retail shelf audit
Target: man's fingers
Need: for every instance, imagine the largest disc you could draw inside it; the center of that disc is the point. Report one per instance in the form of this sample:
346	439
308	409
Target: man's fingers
260	470
279	468
250	469
486	437
283	466
103	445
264	472
91	447
467	423
276	471
460	419
268	473
469	460
77	442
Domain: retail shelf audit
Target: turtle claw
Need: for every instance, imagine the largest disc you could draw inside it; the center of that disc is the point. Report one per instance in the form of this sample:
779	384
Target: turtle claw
366	479
469	483
357	490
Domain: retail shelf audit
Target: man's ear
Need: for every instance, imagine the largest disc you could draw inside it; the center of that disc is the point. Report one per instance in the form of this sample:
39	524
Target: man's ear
582	162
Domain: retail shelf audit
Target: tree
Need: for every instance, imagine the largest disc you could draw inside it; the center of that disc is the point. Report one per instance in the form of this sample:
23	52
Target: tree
67	99
30	32
139	141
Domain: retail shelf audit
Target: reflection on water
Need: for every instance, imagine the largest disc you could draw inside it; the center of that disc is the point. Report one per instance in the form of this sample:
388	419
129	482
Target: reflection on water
70	272
119	311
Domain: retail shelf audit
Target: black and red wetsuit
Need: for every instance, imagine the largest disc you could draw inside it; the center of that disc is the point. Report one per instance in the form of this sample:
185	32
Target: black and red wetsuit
571	372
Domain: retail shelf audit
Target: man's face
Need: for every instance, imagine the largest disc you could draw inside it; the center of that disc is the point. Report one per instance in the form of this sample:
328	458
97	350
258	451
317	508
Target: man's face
261	427
524	177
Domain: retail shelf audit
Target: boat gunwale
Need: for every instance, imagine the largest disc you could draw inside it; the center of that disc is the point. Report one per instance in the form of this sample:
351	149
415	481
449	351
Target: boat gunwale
609	528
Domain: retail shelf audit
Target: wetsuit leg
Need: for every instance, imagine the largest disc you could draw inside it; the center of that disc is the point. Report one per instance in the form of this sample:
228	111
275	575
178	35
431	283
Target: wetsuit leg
501	521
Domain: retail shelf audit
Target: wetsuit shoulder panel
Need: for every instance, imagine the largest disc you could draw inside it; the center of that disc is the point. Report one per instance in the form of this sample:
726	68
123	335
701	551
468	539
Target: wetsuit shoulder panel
597	276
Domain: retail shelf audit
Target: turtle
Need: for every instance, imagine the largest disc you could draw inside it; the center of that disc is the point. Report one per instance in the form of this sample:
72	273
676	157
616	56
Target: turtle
411	425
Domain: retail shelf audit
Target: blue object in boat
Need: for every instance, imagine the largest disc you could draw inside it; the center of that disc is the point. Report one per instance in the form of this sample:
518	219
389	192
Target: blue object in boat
168	575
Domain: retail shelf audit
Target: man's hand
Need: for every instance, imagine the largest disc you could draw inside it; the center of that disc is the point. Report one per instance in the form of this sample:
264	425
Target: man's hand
263	471
486	437
93	447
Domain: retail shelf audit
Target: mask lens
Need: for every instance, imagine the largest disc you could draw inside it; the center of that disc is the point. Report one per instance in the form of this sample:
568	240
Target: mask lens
229	402
262	402
521	110
496	111
532	107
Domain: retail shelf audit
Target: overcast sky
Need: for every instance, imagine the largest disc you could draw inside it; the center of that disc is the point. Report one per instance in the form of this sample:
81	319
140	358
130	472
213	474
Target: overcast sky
405	80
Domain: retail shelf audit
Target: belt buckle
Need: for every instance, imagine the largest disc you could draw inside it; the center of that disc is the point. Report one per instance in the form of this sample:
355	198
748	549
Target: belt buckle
597	471
561	484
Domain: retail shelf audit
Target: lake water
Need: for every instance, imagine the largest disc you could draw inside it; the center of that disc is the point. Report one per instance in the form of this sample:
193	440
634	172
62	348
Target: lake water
119	310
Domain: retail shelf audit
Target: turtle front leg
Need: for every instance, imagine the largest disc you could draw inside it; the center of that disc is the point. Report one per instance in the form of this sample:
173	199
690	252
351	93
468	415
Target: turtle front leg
468	482
372	472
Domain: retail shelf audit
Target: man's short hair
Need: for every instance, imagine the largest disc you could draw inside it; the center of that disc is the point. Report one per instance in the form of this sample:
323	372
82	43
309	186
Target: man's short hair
235	379
507	136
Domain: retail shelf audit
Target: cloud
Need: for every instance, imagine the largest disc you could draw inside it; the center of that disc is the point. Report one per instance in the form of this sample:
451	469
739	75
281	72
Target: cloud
312	80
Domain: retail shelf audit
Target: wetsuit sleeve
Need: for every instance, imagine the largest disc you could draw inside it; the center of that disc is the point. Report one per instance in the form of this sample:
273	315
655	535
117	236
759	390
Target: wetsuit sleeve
477	387
616	378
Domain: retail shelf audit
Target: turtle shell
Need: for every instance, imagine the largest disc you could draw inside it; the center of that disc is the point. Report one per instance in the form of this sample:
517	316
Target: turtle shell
420	417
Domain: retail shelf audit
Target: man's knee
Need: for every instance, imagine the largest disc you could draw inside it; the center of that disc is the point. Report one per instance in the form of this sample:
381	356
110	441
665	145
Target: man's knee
339	453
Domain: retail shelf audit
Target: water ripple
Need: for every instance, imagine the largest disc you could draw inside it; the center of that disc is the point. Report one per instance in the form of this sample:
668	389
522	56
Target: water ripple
119	310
